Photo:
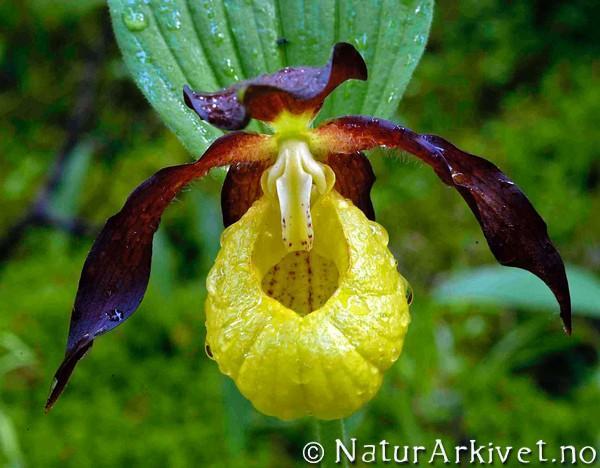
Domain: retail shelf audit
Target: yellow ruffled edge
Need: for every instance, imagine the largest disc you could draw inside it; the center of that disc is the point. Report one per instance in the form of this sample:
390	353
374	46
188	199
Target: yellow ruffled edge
330	362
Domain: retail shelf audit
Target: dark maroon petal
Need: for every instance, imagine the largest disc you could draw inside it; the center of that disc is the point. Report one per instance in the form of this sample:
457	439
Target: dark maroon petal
297	90
221	109
241	189
515	232
116	271
354	178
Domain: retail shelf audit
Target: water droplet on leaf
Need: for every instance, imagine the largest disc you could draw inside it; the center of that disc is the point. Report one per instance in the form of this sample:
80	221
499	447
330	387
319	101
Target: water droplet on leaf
134	20
170	15
419	39
142	56
228	70
219	38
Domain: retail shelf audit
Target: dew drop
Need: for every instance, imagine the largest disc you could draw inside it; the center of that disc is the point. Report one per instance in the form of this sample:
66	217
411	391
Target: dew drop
228	70
209	11
459	178
365	39
419	39
208	351
142	56
146	83
408	293
134	20
170	15
219	38
115	315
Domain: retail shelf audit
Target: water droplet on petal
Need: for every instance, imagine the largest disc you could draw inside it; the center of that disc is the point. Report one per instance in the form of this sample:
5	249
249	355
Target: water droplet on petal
459	178
408	293
506	183
134	20
208	351
115	315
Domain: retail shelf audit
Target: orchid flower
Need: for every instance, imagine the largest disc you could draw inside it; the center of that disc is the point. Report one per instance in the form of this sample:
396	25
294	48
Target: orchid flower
305	307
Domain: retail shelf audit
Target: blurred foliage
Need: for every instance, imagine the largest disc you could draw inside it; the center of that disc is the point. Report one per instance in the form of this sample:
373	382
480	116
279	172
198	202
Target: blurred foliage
15	355
516	82
513	287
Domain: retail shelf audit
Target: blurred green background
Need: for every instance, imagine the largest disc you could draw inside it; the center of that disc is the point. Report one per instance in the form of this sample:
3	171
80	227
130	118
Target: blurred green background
516	82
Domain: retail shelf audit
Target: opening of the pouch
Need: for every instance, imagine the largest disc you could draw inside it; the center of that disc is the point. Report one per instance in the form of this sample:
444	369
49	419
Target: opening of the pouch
302	281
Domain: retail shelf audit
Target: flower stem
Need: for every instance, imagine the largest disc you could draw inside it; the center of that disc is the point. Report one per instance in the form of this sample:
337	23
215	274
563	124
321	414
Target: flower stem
327	432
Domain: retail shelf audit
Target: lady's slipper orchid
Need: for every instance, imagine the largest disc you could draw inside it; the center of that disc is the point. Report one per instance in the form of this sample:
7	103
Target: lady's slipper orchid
305	307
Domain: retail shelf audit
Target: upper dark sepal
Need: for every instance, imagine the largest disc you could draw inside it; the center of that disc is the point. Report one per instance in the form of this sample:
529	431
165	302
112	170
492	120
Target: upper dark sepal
297	90
515	232
116	272
221	109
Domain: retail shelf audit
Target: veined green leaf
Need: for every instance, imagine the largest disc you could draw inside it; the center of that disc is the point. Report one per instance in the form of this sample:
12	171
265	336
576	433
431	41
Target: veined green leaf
209	44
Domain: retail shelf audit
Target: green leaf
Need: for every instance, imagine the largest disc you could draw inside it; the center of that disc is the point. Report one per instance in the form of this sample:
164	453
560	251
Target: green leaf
518	288
163	264
65	200
9	444
14	354
210	44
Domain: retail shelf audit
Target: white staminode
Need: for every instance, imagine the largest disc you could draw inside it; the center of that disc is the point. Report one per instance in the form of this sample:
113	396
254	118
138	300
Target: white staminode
297	179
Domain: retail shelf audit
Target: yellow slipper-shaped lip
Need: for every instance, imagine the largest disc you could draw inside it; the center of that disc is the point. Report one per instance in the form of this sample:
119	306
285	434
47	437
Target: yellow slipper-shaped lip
294	362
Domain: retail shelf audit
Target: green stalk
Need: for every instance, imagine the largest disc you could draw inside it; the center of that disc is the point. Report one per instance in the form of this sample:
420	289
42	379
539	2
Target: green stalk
327	432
